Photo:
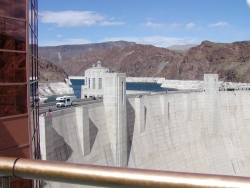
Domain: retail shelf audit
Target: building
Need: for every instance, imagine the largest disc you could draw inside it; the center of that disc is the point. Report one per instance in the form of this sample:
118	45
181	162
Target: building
19	107
94	81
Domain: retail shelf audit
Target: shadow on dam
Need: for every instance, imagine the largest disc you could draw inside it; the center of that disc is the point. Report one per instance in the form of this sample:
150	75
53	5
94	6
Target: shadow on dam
130	121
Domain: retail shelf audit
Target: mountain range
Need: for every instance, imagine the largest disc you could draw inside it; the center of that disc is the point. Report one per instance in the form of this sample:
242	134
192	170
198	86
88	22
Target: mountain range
61	53
230	60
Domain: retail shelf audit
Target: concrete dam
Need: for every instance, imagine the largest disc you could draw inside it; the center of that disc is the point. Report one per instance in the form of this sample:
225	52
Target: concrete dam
203	132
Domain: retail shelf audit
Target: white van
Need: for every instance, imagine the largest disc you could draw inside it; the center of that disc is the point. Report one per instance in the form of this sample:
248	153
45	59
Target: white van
65	101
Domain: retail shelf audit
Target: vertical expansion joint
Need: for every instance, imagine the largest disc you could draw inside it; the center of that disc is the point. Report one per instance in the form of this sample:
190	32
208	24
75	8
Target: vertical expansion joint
13	168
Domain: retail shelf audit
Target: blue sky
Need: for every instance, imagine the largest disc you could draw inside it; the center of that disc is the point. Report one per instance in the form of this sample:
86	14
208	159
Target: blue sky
161	23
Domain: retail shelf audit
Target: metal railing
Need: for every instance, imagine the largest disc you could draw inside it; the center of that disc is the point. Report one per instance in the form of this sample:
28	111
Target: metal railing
104	176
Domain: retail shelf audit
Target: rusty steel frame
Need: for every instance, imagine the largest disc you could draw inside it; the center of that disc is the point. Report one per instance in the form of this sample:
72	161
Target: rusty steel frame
112	176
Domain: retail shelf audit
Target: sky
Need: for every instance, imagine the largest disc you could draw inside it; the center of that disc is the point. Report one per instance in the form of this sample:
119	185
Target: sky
161	23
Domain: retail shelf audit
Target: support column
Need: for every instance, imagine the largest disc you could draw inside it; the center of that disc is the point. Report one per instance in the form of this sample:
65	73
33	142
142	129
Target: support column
42	137
165	109
115	110
211	89
140	113
46	137
82	117
189	106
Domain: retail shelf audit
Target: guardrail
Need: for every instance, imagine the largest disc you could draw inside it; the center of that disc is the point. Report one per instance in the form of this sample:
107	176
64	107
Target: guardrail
53	103
111	176
161	93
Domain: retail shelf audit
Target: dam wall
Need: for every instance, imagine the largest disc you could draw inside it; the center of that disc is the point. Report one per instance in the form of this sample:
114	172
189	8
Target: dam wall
203	132
183	133
168	132
77	135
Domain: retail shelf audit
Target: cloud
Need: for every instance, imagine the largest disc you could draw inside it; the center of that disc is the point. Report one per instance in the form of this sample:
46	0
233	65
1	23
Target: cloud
64	42
175	25
248	3
75	18
190	26
107	23
158	41
149	18
58	36
219	24
153	25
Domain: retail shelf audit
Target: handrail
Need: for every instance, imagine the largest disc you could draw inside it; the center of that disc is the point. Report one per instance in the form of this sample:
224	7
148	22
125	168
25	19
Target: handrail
112	176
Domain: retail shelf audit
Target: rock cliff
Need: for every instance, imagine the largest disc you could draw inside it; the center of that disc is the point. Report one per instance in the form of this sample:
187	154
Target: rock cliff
49	72
135	60
61	53
230	60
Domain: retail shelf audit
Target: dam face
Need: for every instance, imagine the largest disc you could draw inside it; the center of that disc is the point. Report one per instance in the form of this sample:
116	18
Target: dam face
203	132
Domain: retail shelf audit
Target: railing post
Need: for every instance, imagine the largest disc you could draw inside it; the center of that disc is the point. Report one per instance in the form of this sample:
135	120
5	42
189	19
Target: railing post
5	182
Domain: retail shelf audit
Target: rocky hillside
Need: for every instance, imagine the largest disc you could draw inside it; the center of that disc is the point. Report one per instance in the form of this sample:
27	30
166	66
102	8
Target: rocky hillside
230	60
185	47
60	53
135	60
49	72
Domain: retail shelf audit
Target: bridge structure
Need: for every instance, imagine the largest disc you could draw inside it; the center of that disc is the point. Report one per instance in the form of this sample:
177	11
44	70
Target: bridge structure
194	132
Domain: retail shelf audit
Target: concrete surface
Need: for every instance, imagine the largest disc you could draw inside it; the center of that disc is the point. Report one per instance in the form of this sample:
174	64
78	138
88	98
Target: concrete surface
203	132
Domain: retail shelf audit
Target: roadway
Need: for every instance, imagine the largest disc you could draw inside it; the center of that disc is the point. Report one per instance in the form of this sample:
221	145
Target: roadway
44	107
